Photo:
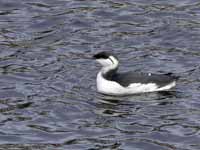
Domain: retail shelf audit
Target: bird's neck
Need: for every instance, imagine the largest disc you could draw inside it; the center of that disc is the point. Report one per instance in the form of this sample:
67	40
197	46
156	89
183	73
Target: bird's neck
108	71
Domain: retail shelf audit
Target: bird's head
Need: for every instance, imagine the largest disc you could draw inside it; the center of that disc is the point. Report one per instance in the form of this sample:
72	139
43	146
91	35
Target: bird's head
106	59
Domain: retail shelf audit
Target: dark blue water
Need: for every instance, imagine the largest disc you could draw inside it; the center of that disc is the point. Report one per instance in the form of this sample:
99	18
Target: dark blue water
48	97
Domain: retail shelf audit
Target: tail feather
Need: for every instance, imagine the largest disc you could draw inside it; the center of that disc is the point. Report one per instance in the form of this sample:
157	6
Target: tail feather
173	76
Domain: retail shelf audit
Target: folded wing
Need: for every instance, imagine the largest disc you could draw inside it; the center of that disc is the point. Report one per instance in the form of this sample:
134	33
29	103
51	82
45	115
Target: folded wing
127	78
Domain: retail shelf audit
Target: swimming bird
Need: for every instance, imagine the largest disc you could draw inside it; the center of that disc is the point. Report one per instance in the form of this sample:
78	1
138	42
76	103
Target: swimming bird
111	82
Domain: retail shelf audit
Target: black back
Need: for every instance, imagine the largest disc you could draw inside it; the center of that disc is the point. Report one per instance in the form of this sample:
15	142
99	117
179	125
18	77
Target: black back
125	79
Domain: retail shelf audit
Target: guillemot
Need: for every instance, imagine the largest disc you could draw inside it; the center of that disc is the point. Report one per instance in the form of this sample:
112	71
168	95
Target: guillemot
110	82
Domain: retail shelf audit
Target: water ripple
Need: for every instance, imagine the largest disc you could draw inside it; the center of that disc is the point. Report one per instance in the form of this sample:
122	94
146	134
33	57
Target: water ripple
48	97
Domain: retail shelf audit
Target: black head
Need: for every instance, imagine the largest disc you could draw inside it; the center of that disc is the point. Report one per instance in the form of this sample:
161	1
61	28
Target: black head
102	55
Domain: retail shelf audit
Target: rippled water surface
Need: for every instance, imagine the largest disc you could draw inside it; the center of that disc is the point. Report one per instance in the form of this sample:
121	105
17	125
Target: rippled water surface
48	97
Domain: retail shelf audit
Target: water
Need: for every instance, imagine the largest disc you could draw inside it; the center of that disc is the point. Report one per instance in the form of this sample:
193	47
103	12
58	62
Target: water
48	97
